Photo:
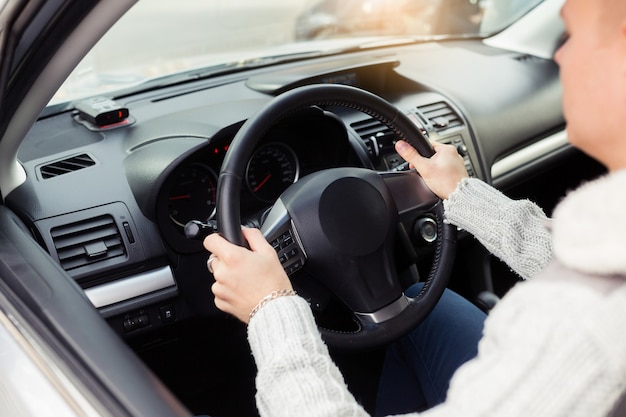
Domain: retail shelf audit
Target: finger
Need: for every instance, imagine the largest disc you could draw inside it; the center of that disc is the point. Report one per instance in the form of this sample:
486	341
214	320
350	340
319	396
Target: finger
222	248
224	302
226	296
220	291
223	305
213	242
209	263
409	153
255	239
405	150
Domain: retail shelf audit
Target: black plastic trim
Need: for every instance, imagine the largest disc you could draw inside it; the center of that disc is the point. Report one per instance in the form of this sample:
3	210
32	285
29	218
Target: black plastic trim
75	329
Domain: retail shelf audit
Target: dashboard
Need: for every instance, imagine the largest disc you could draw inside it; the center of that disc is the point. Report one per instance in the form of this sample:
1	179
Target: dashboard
110	203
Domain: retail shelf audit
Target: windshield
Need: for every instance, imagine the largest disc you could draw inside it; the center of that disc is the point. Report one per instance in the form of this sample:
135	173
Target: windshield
159	38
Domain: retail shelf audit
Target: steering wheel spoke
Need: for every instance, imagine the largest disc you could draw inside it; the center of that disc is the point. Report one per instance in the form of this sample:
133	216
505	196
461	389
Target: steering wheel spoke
279	230
419	198
385	313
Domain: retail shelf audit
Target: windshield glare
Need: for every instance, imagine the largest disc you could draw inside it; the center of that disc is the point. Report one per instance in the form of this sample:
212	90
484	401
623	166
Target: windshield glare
157	38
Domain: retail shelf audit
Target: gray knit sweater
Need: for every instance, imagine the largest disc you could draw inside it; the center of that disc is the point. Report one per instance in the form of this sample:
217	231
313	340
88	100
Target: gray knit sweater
553	346
515	231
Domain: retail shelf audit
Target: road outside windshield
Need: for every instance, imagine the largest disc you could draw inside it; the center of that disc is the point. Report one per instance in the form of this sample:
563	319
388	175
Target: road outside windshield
160	37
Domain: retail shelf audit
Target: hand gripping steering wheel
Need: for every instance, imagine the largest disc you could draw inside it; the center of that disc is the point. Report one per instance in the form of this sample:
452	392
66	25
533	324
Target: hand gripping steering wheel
339	225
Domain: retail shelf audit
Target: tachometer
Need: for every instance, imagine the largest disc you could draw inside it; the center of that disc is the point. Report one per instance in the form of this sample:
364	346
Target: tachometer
193	195
271	169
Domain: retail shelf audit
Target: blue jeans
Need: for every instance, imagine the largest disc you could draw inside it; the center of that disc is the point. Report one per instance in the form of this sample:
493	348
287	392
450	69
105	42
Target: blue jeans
418	368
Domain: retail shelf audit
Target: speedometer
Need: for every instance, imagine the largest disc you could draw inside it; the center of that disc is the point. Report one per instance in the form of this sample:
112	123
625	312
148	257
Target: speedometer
271	169
192	196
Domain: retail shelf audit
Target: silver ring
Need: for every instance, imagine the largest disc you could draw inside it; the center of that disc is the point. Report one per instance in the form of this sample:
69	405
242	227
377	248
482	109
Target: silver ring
210	261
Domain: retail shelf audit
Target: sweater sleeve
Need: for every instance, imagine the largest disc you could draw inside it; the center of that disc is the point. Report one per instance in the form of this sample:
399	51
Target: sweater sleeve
537	358
516	231
295	371
543	357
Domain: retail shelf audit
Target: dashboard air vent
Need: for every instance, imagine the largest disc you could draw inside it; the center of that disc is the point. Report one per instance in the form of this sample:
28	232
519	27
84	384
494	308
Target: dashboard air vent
529	58
441	116
87	242
376	135
66	166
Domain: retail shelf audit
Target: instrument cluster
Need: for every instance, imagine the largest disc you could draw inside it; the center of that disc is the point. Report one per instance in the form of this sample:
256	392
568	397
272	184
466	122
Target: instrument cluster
289	151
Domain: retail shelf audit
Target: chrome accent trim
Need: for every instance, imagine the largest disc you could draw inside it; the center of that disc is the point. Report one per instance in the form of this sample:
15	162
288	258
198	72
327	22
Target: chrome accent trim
528	154
385	313
296	236
275	220
131	287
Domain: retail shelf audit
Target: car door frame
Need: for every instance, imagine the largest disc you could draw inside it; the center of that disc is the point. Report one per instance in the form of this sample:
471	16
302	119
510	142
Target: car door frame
92	356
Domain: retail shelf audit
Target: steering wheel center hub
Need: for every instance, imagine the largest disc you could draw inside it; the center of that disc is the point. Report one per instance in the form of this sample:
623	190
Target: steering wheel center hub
354	216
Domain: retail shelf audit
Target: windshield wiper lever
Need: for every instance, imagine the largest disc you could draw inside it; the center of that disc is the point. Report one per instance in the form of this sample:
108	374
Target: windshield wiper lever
195	229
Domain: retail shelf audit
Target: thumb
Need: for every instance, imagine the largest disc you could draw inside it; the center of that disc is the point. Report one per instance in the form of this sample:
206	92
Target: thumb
408	153
254	237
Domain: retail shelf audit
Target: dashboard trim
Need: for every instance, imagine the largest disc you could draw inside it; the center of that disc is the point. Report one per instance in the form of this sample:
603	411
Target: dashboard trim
131	287
528	154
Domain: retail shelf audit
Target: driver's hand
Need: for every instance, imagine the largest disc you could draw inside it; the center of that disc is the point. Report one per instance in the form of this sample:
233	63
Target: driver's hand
442	172
244	276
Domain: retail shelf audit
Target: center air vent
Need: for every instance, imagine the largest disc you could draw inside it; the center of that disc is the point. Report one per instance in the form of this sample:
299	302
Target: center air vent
376	135
87	242
66	166
441	116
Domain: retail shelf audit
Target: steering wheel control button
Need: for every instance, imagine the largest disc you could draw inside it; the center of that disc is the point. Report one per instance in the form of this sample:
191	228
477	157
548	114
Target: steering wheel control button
287	241
289	254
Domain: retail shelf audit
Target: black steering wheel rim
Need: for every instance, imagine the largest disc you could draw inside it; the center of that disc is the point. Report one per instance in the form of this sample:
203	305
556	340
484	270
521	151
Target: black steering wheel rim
414	309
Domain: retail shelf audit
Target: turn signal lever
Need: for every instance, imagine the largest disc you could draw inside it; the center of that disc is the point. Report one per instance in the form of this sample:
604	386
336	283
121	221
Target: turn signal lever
195	229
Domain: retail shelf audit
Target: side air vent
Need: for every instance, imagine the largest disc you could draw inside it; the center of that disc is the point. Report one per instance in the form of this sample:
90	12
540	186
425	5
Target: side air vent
376	135
87	242
66	166
529	58
441	116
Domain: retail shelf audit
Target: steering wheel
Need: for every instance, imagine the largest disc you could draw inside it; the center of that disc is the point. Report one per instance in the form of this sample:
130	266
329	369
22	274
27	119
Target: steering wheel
339	225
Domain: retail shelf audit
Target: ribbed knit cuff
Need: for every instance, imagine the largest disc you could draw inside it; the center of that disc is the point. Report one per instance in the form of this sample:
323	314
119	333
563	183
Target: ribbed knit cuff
292	327
474	205
513	230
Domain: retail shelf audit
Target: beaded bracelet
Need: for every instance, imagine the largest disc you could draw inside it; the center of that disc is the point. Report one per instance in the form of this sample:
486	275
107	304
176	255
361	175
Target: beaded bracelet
273	295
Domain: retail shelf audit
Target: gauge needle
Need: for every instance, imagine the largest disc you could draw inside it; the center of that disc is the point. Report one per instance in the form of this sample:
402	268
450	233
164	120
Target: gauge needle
262	183
179	197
